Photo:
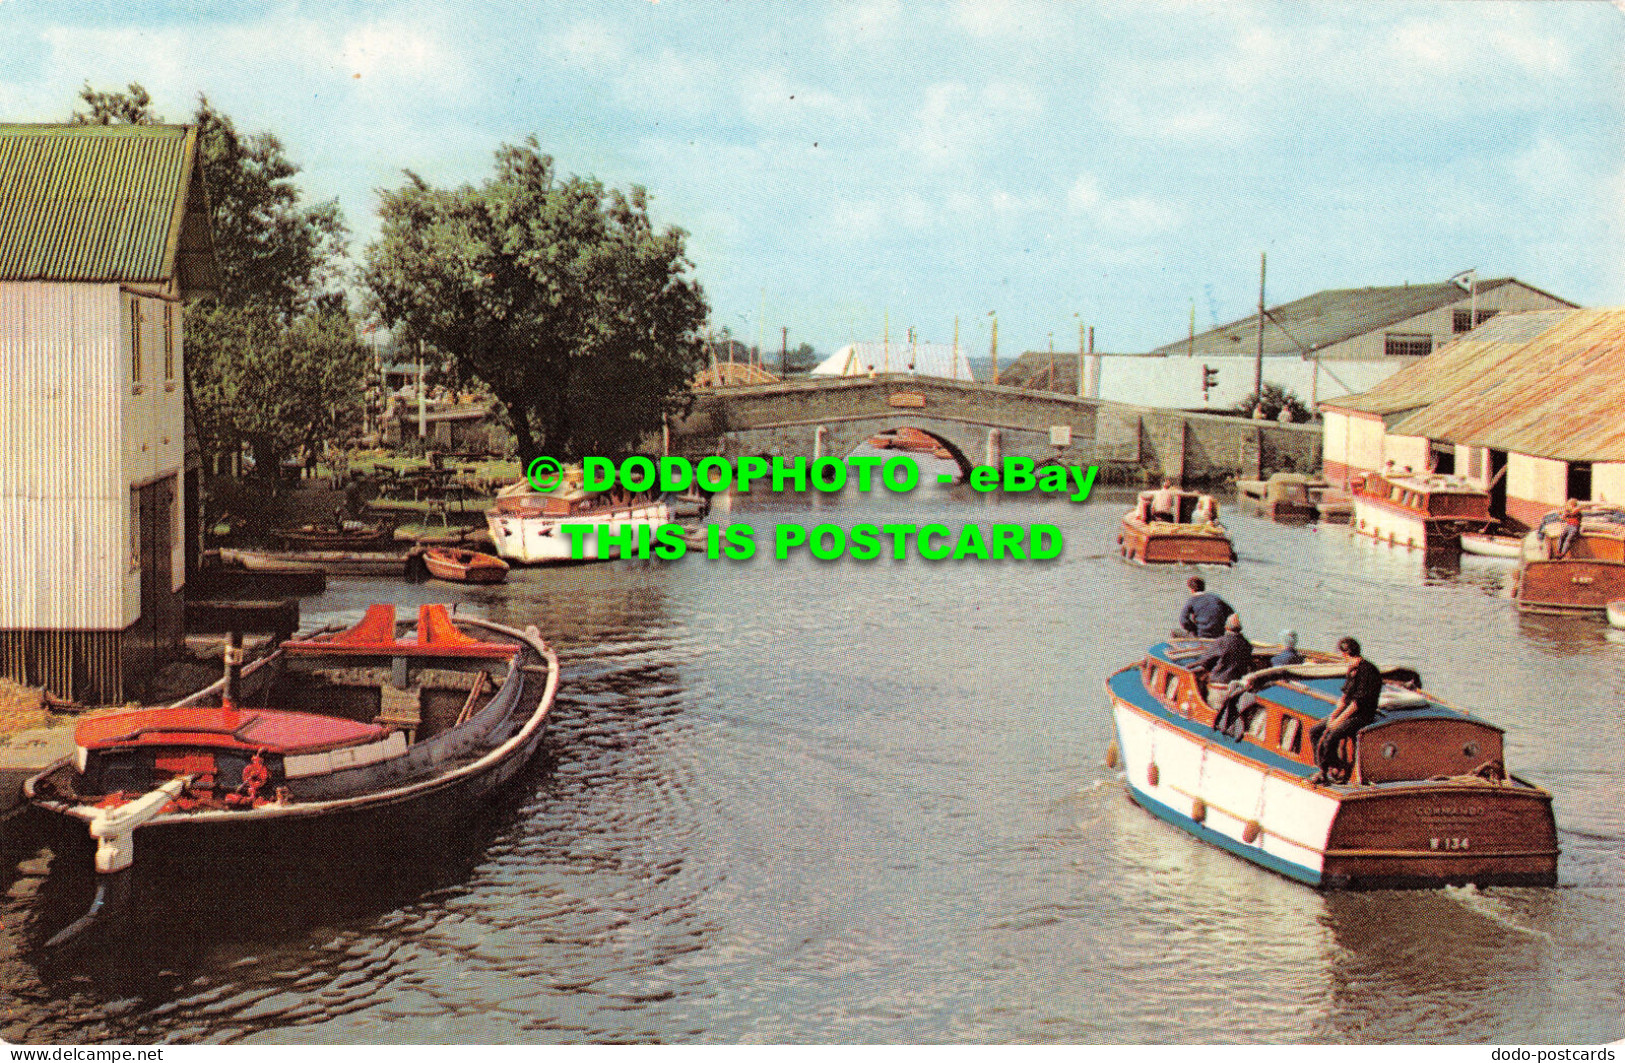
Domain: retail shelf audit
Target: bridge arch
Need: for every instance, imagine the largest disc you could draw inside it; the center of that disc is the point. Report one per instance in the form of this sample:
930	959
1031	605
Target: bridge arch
913	439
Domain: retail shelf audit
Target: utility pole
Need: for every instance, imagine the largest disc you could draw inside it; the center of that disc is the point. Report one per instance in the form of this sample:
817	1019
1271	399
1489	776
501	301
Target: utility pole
423	407
994	314
1258	360
784	351
1080	353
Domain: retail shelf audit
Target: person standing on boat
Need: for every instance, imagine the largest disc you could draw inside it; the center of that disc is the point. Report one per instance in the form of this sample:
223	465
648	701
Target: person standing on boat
1227	662
1571	528
1204	613
1289	650
1356	709
1165	503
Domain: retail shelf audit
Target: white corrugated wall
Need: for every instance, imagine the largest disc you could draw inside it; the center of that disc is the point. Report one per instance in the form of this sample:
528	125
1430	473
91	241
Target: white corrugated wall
64	496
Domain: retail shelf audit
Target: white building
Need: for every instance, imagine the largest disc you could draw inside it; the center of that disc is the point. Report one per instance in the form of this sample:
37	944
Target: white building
103	230
920	359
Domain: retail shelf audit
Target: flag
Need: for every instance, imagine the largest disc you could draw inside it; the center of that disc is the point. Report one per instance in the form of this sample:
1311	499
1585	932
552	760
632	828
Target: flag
1465	280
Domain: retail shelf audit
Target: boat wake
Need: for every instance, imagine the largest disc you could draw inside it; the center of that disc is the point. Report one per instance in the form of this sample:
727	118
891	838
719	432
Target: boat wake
1491	908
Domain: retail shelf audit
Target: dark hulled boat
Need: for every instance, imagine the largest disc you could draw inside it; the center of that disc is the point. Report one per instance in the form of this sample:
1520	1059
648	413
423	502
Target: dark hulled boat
1429	801
358	744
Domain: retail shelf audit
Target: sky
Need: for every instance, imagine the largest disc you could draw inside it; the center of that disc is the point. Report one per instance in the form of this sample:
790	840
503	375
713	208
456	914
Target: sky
849	168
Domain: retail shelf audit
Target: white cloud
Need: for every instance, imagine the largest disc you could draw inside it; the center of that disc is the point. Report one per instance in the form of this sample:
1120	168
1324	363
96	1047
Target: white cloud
670	81
1008	18
769	98
590	45
955	124
865	23
1130	215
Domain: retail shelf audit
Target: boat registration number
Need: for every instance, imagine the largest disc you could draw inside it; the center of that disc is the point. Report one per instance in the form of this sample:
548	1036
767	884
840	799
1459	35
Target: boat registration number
1450	844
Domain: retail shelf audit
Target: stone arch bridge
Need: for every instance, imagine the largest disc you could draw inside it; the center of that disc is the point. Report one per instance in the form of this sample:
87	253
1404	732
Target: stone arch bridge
982	423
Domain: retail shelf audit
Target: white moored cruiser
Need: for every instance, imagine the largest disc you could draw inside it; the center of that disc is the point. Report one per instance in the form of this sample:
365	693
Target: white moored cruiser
527	526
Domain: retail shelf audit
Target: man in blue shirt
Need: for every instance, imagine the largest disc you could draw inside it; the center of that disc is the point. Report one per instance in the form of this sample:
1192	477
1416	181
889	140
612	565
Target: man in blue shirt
1204	614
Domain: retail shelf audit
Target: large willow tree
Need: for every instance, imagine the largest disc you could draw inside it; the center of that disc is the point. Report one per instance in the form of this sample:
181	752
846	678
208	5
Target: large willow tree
558	294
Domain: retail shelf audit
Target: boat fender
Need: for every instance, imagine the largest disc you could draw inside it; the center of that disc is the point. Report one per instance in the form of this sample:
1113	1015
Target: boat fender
1111	755
1251	831
1199	810
1151	775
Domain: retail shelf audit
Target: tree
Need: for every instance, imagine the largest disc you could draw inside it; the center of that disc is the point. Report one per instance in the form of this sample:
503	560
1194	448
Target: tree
557	294
252	348
1276	397
273	387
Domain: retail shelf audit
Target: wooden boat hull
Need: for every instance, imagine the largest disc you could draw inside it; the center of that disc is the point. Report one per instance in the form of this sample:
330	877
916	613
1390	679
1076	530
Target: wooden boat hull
1260	806
1402	527
335	540
537	540
1569	585
1158	543
331	562
465	566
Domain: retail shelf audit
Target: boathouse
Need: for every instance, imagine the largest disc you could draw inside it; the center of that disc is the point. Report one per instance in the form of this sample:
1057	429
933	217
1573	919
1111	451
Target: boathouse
103	232
1332	343
1526	406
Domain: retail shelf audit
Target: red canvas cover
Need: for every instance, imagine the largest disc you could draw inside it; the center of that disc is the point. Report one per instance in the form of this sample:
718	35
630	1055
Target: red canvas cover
247	729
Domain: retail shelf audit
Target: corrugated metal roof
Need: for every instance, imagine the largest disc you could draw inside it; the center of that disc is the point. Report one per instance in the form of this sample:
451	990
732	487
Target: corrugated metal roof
1557	394
1476	357
1329	317
102	203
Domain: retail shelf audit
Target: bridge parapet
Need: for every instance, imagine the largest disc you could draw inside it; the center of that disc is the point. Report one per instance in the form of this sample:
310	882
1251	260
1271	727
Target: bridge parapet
814	417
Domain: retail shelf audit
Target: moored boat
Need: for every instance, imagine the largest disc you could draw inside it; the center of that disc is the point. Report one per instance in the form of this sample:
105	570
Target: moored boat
331	562
464	566
1418	511
1583	580
527	526
1616	612
1489	544
1289	497
1429	801
1195	538
362	744
349	535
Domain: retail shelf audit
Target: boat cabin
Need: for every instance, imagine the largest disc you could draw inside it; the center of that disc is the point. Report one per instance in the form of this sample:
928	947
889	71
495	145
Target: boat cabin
1429	497
1415	737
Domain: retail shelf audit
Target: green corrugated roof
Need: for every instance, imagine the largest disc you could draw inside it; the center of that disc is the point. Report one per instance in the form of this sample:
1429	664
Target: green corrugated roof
102	203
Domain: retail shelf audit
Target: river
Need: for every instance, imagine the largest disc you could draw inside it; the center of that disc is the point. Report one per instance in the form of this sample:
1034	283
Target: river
867	802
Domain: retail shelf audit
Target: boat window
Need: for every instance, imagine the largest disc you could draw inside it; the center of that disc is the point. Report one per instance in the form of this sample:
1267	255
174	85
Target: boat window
1291	732
1171	691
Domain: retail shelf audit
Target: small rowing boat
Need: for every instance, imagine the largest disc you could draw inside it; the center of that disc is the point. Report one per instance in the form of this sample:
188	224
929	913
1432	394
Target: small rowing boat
464	566
1489	544
1429	801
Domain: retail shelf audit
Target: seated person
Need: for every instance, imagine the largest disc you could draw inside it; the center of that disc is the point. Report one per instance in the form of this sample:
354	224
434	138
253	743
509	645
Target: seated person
1207	511
1229	660
1356	710
1570	530
1204	614
1289	650
1165	503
